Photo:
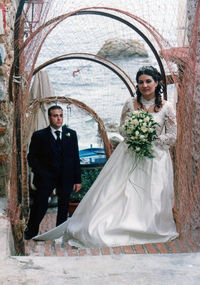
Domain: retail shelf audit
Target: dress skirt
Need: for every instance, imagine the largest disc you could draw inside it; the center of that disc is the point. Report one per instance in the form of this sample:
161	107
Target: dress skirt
130	203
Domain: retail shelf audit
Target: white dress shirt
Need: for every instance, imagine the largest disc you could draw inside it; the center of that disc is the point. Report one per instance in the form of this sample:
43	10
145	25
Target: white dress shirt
54	130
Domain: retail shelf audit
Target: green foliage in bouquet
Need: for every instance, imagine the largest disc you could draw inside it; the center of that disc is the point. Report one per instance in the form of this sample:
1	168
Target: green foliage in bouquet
88	176
140	131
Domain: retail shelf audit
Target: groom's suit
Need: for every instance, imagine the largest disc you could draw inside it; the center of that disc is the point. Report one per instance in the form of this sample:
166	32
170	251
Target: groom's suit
55	165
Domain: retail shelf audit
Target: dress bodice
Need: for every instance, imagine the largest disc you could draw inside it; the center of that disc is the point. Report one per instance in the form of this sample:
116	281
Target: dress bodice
166	118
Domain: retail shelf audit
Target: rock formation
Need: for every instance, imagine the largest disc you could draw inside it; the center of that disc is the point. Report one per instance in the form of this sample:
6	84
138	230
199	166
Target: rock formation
122	48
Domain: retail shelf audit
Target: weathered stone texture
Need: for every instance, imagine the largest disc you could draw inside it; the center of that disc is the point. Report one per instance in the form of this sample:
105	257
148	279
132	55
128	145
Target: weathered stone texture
191	9
121	48
187	170
6	108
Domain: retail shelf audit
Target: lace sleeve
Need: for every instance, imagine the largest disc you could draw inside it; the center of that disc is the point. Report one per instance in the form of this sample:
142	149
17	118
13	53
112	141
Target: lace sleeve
169	137
125	110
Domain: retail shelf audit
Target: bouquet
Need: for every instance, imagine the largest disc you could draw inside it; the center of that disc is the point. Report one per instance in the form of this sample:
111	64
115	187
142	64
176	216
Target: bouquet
140	131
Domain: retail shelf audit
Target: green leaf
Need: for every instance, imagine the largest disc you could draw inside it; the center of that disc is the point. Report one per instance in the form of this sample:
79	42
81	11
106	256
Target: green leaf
88	176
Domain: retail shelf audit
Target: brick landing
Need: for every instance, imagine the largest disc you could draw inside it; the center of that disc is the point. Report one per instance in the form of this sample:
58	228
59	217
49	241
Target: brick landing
51	248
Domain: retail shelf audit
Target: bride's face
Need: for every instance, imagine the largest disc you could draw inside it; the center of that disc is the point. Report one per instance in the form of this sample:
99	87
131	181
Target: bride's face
147	86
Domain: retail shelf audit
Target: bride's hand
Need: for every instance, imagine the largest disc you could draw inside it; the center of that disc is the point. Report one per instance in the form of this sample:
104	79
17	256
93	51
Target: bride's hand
77	187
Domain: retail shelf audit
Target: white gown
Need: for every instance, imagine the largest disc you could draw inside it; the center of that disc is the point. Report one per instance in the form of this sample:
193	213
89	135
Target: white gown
128	203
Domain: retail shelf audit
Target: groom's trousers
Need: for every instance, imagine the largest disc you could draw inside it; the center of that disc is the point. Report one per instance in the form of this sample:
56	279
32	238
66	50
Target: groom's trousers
40	205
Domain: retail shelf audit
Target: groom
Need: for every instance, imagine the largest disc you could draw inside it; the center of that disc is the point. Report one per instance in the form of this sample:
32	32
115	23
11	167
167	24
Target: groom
54	159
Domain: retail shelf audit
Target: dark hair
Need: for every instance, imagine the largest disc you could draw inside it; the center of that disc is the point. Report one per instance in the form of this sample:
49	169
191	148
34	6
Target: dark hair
54	107
153	72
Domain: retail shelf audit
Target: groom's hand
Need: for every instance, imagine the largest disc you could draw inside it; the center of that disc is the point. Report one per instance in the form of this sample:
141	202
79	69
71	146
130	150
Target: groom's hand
77	187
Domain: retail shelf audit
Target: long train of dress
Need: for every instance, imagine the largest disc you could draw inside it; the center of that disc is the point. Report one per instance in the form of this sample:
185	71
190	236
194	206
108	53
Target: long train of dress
129	203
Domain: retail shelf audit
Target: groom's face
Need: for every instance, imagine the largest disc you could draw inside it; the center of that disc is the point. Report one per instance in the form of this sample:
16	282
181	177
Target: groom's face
56	118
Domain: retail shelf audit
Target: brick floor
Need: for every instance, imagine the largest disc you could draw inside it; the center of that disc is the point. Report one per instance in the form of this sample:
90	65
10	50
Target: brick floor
51	248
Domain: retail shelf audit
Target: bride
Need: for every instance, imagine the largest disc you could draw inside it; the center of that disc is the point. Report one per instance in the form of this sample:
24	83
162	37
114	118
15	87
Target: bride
130	203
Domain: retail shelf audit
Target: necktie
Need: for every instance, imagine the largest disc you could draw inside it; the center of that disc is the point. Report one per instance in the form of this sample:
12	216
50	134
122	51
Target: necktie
58	135
58	141
58	151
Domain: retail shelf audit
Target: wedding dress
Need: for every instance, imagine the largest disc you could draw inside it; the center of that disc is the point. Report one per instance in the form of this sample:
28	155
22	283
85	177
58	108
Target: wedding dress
130	202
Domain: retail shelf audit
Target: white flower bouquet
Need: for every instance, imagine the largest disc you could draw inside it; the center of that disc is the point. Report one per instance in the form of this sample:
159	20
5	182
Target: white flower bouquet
140	131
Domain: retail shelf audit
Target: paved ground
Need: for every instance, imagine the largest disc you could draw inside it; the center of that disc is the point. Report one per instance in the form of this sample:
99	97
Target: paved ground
50	248
162	269
120	266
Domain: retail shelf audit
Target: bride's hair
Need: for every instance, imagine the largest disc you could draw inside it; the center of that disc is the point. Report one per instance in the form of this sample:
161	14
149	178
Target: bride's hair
153	72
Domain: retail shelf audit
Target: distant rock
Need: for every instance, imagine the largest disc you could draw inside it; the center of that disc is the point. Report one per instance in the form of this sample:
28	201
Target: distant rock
122	48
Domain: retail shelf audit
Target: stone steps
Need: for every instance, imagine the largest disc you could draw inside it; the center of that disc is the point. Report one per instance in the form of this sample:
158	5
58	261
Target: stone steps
52	248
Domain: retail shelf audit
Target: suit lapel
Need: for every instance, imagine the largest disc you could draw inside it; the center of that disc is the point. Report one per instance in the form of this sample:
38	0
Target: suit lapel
66	139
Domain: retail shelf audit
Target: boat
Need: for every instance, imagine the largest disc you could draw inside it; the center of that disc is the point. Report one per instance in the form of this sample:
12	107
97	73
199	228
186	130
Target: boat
92	157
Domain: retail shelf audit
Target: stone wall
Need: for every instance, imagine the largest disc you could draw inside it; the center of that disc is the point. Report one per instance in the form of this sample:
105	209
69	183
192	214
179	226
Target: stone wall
187	157
191	9
7	19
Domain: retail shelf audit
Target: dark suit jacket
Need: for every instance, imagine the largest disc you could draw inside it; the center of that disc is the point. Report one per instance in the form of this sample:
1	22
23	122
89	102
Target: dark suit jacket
42	159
